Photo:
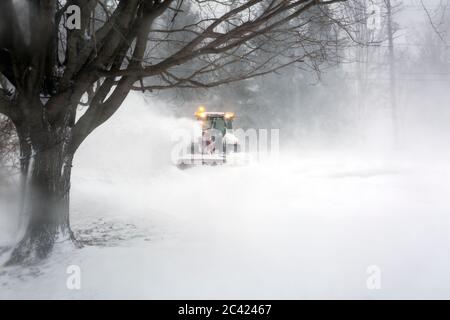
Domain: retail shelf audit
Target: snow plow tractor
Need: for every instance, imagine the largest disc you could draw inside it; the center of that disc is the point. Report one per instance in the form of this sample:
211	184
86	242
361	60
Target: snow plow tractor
216	144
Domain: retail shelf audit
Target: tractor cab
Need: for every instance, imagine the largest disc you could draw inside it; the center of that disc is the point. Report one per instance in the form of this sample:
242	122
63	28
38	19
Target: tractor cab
219	121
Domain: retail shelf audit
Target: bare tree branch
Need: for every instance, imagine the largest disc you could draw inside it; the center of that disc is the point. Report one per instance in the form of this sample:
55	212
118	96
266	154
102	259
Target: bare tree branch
430	20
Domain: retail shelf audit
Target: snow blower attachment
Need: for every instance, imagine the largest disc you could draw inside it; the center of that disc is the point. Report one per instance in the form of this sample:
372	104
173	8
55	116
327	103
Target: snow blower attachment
217	143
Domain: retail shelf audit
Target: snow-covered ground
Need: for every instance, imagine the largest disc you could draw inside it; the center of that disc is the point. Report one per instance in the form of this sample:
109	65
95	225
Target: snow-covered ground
308	226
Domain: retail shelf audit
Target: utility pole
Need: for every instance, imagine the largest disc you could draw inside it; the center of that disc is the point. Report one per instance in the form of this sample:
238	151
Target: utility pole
392	69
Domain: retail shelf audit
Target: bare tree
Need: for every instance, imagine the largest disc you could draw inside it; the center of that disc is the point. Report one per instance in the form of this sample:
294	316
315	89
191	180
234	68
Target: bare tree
392	65
119	47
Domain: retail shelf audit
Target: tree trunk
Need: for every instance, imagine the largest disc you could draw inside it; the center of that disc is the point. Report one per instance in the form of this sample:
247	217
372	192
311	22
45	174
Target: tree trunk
46	164
392	70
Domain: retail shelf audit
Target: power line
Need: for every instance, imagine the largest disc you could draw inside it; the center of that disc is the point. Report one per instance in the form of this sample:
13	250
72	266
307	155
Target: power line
400	79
